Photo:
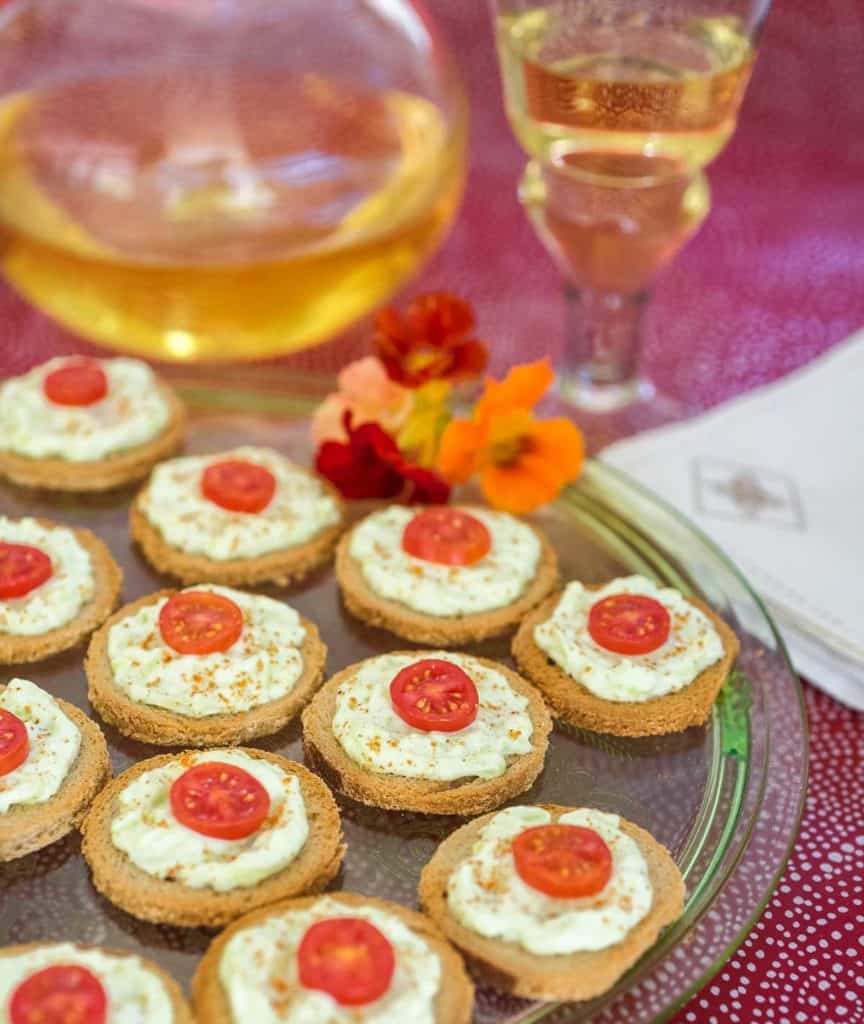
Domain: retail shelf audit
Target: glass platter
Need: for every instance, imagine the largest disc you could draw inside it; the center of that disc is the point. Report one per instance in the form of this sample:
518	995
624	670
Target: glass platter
725	799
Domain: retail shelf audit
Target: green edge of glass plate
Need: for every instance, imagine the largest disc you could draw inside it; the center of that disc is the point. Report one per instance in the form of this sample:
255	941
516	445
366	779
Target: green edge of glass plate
730	712
730	718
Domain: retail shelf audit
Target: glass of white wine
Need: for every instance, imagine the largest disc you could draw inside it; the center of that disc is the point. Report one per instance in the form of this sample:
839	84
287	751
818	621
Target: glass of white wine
620	105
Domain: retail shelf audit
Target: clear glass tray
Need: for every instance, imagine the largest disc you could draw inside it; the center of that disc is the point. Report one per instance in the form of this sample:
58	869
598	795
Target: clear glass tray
726	799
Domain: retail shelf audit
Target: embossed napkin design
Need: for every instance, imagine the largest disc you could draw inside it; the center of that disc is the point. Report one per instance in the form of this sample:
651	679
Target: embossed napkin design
776	477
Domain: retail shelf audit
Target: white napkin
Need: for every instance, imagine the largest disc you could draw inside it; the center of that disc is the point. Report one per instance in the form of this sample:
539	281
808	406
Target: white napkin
776	477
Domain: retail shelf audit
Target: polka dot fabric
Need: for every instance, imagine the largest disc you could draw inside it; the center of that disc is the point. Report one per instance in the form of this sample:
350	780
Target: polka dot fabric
801	964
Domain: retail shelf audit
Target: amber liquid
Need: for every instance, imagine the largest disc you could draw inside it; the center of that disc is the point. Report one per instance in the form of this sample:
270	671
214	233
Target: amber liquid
668	90
202	218
620	118
614	238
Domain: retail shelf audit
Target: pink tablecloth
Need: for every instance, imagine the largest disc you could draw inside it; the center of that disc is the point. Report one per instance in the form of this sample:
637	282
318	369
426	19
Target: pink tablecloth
773	279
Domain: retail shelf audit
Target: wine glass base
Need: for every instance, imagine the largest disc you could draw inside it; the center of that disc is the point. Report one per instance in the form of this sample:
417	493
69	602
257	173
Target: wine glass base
606	415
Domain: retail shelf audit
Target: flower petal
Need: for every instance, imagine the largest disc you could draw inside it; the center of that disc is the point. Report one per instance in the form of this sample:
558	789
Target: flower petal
462	445
425	487
366	466
391	332
327	419
469	359
365	380
559	443
521	486
439	317
522	388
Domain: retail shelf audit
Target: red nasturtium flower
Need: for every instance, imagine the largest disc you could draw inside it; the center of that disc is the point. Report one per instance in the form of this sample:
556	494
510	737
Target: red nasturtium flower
370	465
432	341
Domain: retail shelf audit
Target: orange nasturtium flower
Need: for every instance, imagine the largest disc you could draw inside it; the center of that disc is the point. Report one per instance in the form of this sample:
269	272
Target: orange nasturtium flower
523	462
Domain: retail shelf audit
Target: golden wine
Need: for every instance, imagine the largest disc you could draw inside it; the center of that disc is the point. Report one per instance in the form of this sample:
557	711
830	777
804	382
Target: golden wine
614	239
285	208
637	86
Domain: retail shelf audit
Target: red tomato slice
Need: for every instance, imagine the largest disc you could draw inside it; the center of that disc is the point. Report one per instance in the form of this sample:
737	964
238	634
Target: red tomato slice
219	800
447	536
348	958
22	568
200	622
238	485
435	696
566	861
629	624
78	382
14	742
61	994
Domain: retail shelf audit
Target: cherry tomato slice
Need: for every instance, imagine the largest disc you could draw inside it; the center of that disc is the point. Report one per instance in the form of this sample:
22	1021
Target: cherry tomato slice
22	568
238	485
629	623
435	696
200	622
447	536
60	994
219	800
14	742
348	958
78	382
566	861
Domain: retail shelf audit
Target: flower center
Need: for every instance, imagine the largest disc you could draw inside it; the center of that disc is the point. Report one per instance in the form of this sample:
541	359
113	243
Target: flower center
506	452
420	358
510	438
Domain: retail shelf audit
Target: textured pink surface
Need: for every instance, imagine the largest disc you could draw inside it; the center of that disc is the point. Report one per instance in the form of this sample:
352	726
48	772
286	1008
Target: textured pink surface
773	279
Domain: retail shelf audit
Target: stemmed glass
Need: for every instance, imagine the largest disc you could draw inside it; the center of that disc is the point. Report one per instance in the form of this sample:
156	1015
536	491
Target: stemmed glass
620	104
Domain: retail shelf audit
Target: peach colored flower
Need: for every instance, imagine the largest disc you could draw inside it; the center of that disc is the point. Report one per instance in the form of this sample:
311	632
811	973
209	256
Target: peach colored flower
367	392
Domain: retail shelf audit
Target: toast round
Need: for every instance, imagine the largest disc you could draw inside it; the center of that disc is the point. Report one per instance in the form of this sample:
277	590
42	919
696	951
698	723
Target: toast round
28	827
570	977
166	902
115	470
462	797
283	566
107	581
453	1003
576	705
436	630
165	728
182	1013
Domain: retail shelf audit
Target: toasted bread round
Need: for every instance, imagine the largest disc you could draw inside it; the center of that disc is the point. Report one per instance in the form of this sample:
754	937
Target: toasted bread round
182	1013
284	566
107	581
570	977
436	630
453	1003
575	704
115	470
167	902
28	827
462	797
165	728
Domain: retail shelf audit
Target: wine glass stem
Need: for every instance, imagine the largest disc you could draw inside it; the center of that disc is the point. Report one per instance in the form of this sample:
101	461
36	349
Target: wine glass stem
603	344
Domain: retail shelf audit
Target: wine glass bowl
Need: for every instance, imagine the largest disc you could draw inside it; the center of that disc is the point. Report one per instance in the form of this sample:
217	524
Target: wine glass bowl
611	220
222	179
